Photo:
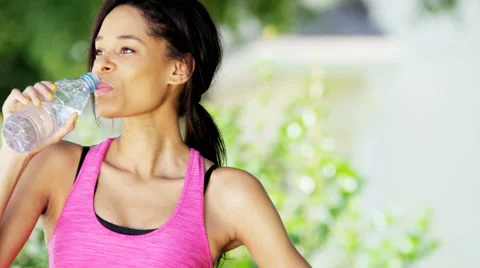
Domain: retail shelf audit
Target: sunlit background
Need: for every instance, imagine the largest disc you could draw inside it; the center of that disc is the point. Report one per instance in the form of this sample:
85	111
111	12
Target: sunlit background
357	116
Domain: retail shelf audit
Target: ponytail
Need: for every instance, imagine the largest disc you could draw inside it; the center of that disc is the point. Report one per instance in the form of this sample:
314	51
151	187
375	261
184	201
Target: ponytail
203	135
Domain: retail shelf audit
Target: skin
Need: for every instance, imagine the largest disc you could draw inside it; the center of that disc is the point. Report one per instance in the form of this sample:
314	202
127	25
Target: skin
149	158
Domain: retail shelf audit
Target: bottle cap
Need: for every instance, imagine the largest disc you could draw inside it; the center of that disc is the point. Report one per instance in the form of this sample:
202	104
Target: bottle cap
92	81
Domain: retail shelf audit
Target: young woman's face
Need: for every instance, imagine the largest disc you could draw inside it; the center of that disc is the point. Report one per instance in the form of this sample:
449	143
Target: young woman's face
132	63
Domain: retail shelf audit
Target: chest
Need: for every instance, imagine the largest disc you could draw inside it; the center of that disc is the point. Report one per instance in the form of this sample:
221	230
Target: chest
127	201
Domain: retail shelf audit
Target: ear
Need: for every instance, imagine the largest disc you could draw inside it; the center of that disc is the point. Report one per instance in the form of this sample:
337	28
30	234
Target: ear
182	70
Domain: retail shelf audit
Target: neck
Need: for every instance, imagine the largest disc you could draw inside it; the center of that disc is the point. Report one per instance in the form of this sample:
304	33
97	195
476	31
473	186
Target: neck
151	145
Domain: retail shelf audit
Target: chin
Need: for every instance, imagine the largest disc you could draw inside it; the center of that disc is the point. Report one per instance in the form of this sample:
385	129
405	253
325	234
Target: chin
108	116
109	109
104	112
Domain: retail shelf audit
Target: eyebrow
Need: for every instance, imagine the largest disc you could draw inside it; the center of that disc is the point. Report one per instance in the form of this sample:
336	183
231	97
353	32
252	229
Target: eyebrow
123	37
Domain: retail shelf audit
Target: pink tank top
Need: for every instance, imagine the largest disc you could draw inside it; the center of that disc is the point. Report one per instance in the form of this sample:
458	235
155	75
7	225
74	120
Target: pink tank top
80	240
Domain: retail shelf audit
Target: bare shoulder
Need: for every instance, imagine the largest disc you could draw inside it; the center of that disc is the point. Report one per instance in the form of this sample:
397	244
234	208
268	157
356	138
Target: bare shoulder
53	163
53	171
57	157
236	187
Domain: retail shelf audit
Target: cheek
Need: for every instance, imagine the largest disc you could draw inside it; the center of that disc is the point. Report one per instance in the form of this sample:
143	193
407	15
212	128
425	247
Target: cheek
148	73
143	89
142	94
147	79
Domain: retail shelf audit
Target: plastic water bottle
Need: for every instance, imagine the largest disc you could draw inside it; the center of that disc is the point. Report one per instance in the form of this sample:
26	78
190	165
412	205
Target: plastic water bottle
23	130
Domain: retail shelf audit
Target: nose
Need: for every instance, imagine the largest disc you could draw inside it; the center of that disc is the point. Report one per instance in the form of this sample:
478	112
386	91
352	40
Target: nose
103	65
106	68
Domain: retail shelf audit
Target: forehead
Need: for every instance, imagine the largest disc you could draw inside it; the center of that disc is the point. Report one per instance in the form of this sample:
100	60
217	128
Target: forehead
124	19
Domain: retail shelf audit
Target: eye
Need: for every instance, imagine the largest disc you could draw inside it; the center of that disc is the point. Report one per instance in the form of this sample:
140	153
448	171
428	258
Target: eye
98	52
126	50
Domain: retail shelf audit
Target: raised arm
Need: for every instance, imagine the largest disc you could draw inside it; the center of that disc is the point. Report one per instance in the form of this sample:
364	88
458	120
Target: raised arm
25	178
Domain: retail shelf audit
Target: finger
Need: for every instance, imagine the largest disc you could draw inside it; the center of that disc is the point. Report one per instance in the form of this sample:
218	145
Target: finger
50	85
44	91
68	127
16	95
33	95
14	101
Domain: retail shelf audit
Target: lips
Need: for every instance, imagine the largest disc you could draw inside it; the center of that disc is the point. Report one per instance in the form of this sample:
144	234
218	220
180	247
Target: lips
103	88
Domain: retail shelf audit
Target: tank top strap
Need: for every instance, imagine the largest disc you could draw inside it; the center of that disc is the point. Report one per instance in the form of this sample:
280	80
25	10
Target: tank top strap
192	203
192	212
78	208
88	174
196	172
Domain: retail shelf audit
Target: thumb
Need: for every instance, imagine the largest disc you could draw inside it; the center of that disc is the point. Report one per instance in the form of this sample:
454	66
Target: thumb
68	127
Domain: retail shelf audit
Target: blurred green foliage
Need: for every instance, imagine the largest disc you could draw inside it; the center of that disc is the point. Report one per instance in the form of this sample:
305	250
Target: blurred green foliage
437	6
316	191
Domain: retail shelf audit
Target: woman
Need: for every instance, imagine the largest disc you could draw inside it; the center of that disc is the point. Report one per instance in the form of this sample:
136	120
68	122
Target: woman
141	200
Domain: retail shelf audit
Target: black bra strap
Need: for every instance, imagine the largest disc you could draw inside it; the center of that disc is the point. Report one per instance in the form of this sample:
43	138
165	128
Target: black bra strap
82	158
207	176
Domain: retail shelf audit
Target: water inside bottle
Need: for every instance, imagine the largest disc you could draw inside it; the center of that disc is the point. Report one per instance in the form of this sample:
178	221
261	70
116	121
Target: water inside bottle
25	130
21	134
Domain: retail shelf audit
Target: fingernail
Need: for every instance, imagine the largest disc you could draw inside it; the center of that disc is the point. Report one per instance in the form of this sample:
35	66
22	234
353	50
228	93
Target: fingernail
50	96
53	86
27	101
37	101
75	117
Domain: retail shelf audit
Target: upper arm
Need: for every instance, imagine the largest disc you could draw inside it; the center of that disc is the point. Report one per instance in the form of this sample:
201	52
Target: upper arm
256	222
30	198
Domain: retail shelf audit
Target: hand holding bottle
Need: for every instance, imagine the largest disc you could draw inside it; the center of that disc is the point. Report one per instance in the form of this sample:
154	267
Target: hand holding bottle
36	94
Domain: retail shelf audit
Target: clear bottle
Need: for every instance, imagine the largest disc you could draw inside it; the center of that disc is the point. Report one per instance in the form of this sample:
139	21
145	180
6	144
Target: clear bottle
23	130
